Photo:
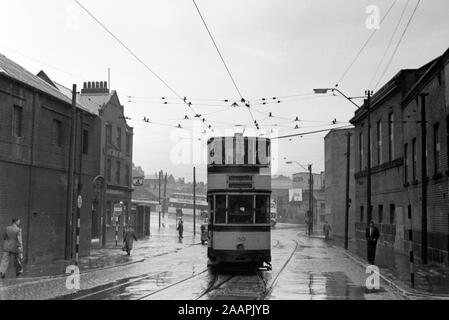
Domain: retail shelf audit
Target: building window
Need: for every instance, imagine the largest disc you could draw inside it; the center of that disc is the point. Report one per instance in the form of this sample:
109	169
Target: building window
362	213
57	133
361	150
436	147
108	134
108	170
128	143
127	175
390	137
414	159
447	140
392	214
117	172
17	119
379	142
381	213
406	163
119	138
85	141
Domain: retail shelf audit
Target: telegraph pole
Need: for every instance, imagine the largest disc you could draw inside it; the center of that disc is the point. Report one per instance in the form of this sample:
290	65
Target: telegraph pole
70	189
80	187
424	179
165	195
368	183
194	201
160	173
348	159
311	197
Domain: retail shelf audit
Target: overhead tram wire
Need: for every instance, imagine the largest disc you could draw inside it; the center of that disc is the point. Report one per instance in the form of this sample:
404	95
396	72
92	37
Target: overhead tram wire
399	43
310	132
189	104
224	63
389	44
364	46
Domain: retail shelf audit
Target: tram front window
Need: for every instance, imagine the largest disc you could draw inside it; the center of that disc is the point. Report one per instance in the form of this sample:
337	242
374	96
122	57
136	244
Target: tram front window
240	210
262	209
220	209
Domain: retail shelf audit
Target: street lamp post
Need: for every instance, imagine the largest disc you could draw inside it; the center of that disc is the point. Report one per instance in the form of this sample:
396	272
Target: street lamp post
368	193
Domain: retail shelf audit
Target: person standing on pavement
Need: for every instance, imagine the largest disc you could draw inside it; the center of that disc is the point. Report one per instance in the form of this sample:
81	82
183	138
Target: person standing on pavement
12	248
326	230
372	234
128	239
180	228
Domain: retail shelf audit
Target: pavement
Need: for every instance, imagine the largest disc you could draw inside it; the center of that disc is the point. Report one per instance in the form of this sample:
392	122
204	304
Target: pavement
431	280
161	242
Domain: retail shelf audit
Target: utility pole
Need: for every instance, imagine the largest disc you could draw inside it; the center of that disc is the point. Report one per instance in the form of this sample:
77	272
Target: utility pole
165	195
70	174
424	179
348	160
194	201
368	182
311	197
80	187
160	174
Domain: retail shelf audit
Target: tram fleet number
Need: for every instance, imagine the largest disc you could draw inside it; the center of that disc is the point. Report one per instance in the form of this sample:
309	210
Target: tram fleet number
226	310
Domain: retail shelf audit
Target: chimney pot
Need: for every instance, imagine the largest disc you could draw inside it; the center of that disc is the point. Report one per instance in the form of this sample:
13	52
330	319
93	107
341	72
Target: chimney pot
97	85
89	85
84	85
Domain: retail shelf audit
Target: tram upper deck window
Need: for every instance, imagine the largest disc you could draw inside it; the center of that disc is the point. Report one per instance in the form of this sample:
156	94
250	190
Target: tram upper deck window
262	209
240	210
220	209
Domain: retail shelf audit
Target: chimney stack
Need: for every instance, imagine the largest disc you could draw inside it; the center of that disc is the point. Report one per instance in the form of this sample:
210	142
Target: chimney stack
95	87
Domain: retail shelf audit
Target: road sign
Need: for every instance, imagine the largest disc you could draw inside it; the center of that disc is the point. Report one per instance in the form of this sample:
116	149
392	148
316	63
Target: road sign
80	201
117	209
158	208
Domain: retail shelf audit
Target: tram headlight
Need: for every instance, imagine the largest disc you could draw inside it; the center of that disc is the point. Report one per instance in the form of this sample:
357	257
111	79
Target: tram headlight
240	246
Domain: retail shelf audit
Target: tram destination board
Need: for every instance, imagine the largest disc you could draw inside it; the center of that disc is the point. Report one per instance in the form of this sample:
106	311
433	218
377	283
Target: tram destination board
240	182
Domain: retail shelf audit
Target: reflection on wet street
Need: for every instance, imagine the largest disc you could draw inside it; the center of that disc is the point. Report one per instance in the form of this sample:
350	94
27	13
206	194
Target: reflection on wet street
303	269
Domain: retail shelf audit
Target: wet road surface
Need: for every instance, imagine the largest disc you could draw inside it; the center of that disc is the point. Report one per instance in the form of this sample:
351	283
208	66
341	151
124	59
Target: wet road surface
303	269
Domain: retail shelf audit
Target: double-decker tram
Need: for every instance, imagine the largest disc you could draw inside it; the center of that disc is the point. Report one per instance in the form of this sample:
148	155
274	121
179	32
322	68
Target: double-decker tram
239	189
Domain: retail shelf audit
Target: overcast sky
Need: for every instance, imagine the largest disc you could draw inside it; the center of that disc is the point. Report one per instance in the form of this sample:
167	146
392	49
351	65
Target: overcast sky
273	49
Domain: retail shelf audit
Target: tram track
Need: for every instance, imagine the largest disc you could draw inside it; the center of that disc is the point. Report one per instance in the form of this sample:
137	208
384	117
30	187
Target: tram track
274	282
214	284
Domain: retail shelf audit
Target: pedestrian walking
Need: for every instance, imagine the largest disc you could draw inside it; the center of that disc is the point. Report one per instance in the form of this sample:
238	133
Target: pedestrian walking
12	248
180	228
326	230
128	239
372	234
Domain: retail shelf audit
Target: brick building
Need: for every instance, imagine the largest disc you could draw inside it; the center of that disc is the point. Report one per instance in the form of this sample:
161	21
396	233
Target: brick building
395	159
435	83
35	139
335	148
115	155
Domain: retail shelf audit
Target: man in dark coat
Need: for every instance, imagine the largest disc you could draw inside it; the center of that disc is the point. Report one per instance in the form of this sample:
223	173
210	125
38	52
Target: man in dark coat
372	235
128	239
12	248
180	228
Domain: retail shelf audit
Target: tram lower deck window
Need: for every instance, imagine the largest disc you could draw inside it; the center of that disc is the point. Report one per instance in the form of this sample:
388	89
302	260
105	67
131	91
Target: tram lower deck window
220	209
241	210
262	209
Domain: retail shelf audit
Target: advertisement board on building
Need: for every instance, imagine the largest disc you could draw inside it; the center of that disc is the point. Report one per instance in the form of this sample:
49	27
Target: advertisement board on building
295	195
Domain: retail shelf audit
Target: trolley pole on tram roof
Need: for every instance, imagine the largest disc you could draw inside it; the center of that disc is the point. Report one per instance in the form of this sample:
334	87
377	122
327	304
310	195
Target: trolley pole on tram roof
194	201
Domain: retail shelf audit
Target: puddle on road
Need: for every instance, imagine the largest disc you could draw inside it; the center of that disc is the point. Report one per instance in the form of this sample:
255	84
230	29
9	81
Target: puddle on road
321	286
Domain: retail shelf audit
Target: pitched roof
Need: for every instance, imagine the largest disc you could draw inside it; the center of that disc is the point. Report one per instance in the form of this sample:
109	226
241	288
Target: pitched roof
95	101
12	70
